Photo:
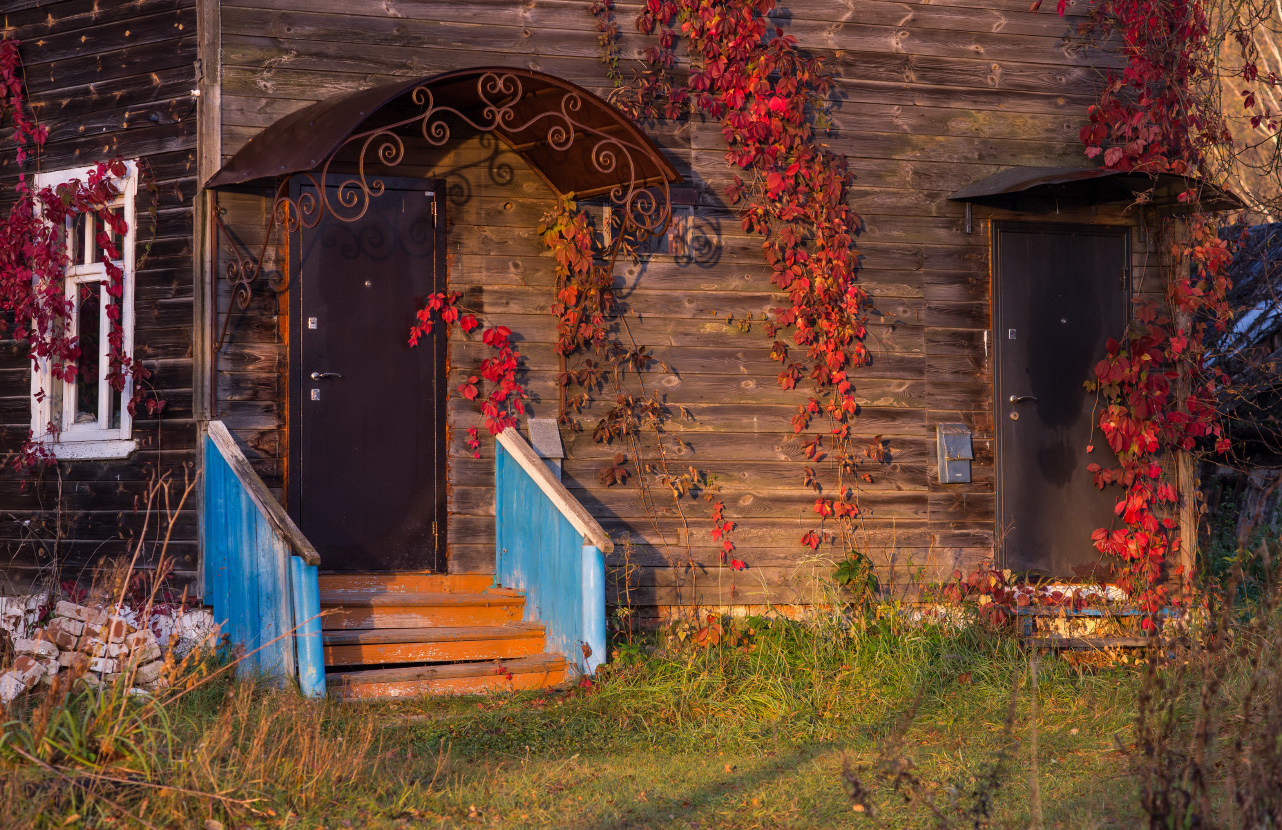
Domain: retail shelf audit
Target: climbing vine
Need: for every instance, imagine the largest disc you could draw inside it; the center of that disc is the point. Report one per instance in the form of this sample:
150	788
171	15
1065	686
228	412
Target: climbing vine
34	307
1158	392
595	357
505	401
792	191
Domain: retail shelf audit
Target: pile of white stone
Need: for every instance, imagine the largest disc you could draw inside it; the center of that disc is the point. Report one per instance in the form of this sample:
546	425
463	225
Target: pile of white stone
98	644
20	614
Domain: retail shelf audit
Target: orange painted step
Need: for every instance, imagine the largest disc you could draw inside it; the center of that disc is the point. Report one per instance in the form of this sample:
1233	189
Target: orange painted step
367	647
418	610
536	672
407	581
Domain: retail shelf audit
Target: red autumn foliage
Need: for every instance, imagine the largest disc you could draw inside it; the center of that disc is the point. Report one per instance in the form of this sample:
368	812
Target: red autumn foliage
506	397
771	101
721	530
34	307
1157	392
998	597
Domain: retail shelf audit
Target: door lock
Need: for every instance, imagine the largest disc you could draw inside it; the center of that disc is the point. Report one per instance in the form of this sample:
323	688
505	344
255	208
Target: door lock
1013	398
324	375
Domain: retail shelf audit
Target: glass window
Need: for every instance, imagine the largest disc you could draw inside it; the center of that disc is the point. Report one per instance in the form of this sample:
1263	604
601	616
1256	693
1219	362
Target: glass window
86	417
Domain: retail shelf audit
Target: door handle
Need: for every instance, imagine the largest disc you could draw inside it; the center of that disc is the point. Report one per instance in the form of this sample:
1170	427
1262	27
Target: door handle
1013	398
323	375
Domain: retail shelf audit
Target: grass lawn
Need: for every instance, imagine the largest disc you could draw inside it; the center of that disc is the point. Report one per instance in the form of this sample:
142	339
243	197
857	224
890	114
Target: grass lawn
679	738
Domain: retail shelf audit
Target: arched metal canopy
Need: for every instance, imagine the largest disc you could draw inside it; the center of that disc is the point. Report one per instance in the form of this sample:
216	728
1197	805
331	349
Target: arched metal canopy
1037	189
575	140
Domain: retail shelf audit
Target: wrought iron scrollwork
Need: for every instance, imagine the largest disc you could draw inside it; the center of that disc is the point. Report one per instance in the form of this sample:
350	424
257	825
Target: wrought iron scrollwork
241	272
645	208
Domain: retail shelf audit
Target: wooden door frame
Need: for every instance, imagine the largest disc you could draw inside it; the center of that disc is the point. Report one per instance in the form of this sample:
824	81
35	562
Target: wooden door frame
294	381
996	226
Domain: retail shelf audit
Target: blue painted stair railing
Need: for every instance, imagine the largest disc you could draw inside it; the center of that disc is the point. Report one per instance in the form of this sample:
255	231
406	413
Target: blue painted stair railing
260	571
550	547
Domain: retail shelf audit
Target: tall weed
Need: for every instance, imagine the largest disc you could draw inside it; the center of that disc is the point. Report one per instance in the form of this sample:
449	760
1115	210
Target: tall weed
1208	752
91	727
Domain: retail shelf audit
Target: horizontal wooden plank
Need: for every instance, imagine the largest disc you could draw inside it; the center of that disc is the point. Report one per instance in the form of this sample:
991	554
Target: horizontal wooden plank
55	107
83	560
1041	39
974	15
108	35
37	19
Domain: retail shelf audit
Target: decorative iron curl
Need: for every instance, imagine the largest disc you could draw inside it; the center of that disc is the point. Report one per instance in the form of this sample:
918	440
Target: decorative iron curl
646	210
241	272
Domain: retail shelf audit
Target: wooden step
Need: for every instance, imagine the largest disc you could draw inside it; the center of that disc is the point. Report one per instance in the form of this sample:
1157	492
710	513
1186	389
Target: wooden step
367	647
407	581
534	672
405	609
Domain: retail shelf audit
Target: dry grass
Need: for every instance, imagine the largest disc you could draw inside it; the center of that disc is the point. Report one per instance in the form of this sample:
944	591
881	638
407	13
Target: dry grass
682	738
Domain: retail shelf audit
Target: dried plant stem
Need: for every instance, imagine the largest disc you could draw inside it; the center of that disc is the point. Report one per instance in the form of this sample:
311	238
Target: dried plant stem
1036	821
86	790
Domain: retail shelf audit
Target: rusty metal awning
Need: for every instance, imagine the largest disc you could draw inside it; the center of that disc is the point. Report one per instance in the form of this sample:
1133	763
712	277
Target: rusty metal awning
542	118
1043	189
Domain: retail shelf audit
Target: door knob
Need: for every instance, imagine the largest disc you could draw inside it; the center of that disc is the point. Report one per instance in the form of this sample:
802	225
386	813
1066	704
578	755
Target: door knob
323	375
1013	398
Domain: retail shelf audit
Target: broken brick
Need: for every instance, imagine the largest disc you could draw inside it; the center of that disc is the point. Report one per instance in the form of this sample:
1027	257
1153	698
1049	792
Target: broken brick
27	669
70	610
35	648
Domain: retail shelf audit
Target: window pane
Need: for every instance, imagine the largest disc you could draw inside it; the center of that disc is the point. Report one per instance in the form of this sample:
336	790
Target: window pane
61	237
75	239
115	408
90	334
114	415
55	391
92	252
116	239
84	242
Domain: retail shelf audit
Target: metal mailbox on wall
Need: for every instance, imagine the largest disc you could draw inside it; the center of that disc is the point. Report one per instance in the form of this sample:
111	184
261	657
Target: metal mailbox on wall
955	453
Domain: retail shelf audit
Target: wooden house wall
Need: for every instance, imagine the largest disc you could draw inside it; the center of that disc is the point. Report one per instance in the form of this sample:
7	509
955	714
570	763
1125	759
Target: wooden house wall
933	96
111	79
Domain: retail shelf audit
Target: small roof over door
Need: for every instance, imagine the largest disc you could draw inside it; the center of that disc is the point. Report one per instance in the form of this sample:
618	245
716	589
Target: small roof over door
1042	189
575	140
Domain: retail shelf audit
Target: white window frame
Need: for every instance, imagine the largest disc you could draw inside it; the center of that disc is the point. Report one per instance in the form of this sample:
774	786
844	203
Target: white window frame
58	431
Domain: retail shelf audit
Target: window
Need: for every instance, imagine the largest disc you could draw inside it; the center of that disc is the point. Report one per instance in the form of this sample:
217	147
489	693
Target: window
86	417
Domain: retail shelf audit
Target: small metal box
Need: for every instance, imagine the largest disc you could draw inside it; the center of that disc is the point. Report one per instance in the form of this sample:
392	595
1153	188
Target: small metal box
545	437
955	453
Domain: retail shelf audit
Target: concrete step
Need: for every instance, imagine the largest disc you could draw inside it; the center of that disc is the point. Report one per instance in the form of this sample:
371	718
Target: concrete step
534	672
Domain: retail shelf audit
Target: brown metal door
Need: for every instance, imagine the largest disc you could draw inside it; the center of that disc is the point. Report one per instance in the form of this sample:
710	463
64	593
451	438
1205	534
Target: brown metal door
1060	292
367	482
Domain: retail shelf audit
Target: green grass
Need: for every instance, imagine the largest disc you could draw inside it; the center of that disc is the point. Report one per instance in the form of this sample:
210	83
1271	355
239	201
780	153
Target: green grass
681	737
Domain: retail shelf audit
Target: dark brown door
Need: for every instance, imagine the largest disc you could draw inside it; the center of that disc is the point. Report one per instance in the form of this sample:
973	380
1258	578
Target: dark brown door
1060	292
367	482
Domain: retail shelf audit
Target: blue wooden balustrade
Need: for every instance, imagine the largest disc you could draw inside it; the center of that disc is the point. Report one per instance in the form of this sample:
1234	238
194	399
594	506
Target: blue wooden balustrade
260	571
551	548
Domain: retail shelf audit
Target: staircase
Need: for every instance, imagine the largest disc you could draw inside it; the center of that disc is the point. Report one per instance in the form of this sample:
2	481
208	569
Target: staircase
393	635
406	634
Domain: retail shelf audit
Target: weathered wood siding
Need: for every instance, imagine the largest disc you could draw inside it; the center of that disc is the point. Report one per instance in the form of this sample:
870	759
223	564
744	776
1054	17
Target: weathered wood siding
934	96
111	79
